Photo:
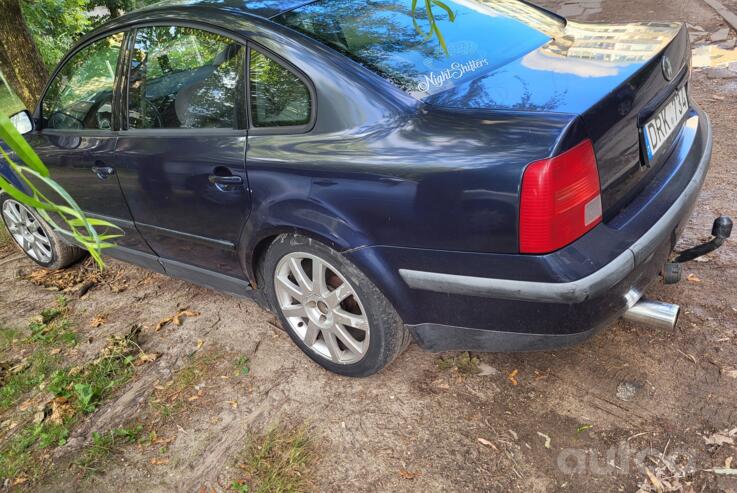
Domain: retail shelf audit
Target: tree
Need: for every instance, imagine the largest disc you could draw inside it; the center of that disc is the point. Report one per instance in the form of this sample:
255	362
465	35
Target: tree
20	60
53	39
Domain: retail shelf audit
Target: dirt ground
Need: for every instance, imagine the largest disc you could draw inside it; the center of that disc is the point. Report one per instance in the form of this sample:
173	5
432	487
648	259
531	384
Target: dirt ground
634	407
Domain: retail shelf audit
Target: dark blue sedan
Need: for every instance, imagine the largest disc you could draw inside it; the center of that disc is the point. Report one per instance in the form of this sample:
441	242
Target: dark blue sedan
482	176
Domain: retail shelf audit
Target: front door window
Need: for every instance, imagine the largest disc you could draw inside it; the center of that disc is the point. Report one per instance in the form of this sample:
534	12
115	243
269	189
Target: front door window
81	94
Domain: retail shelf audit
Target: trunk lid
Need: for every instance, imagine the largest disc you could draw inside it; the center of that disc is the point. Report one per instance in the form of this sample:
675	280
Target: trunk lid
611	75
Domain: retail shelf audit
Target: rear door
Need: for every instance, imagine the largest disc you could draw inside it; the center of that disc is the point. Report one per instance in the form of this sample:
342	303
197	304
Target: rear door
76	139
182	152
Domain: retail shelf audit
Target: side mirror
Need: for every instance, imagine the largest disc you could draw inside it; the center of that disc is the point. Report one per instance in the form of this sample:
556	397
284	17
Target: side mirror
22	122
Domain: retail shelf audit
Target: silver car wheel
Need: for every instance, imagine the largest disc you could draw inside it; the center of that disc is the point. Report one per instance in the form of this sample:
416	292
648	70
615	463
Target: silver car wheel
322	308
27	231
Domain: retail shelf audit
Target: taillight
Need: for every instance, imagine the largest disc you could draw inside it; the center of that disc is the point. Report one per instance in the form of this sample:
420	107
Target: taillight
560	200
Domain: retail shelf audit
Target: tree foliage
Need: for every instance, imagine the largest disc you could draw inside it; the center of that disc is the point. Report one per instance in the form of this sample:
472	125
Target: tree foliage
70	21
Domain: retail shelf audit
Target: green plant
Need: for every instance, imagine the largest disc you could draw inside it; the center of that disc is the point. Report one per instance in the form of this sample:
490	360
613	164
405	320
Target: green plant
242	364
51	327
239	487
79	226
84	395
464	363
434	29
88	385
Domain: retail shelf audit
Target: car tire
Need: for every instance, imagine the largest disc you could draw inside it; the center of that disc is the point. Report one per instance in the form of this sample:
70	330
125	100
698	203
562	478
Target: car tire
35	237
342	321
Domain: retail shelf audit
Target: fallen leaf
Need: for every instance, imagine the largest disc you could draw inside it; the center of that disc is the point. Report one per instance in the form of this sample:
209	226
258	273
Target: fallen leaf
98	321
547	439
19	480
146	358
583	428
484	441
732	373
693	278
441	384
54	351
724	471
486	370
60	409
512	376
25	405
408	474
159	462
721	438
177	318
655	481
233	404
200	343
689	356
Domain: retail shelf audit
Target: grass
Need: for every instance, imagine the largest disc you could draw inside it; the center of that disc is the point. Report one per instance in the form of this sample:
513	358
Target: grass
4	235
32	372
167	401
463	363
17	458
85	387
8	337
77	391
51	326
242	365
104	445
9	104
48	329
278	462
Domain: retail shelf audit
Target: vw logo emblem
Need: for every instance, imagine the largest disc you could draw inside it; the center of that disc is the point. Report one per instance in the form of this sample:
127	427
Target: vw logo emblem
668	68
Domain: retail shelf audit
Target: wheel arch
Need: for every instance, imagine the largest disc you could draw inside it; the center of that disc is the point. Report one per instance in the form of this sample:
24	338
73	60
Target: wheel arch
297	216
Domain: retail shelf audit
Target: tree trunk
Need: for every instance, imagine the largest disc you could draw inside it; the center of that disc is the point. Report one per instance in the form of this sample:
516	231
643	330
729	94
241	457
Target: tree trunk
20	60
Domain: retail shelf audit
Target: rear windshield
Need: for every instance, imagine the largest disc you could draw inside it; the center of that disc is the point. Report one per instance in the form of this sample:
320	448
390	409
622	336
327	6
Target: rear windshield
426	54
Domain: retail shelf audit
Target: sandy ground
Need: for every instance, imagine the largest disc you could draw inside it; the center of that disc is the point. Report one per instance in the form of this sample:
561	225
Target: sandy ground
586	419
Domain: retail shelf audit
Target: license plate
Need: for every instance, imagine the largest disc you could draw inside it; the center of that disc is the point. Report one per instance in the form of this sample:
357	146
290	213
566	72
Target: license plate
665	123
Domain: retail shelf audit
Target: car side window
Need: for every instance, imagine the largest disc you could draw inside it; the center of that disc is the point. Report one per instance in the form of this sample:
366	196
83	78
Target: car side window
81	94
278	97
181	77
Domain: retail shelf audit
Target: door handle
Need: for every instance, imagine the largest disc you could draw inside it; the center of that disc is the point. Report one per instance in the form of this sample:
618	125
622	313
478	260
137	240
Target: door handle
227	183
225	180
103	172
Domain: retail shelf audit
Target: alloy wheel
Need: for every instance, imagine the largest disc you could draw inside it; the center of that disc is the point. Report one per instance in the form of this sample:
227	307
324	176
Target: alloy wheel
27	231
322	308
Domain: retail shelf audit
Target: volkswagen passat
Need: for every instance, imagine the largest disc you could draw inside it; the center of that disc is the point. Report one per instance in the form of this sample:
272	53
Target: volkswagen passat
486	176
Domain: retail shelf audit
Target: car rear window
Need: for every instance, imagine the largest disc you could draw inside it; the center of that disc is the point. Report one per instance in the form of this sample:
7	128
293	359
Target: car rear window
466	39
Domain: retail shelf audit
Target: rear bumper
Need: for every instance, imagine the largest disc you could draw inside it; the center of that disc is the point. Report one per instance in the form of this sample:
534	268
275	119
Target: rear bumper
583	289
527	309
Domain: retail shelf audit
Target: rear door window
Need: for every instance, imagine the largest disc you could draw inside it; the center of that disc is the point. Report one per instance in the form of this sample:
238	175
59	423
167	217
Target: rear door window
182	77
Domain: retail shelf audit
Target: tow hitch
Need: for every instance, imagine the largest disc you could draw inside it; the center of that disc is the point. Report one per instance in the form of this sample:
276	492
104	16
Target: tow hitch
721	230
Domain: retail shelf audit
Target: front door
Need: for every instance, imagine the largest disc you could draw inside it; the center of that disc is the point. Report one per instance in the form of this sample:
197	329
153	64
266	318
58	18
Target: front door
181	158
76	139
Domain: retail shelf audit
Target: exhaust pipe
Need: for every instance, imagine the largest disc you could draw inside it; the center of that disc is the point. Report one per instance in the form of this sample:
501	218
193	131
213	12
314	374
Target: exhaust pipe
655	314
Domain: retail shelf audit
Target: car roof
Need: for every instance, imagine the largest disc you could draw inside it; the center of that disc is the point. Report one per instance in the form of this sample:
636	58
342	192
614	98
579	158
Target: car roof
260	8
